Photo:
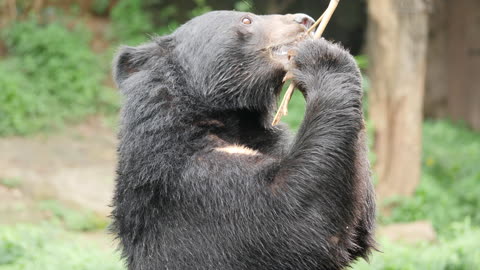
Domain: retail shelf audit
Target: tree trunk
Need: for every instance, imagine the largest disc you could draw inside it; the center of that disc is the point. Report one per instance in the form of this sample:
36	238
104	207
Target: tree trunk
436	86
464	61
397	37
453	81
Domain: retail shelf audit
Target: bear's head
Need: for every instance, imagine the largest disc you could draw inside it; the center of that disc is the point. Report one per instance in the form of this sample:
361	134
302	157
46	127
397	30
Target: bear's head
222	59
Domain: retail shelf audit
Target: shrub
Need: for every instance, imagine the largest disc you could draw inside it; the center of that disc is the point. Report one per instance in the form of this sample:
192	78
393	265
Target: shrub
130	23
100	7
51	76
133	20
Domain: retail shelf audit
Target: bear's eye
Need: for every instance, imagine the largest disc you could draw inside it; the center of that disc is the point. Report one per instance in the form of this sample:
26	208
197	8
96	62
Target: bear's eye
246	20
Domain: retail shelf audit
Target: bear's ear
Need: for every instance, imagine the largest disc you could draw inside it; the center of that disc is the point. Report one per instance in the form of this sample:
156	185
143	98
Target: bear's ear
122	65
127	62
133	59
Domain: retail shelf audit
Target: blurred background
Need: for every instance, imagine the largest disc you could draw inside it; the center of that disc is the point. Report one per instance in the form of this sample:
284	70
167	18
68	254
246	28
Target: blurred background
59	109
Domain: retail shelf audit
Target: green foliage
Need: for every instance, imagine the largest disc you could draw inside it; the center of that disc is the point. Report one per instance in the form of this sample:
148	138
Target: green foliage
362	61
296	109
200	8
244	5
10	251
73	219
449	189
51	76
460	251
100	7
29	247
366	92
131	24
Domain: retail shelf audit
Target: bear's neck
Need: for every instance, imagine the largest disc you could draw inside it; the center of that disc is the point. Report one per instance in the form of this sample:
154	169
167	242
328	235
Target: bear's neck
241	127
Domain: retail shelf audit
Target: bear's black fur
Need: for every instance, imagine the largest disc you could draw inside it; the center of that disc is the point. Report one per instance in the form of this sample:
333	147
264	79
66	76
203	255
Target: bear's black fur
206	182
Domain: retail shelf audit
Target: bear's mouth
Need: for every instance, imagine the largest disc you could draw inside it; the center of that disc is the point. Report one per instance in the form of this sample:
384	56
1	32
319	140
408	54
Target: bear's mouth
283	52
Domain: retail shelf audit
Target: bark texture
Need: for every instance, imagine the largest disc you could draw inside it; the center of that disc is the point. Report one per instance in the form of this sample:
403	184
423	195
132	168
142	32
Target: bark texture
453	81
397	38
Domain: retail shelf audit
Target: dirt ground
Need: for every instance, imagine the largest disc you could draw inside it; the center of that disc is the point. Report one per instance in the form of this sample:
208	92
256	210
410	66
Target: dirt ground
75	165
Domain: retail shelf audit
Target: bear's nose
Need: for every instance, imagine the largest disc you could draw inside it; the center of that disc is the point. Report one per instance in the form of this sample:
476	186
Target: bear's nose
304	19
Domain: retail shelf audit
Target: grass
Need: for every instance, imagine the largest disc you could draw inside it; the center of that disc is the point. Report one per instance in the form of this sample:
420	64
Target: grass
47	246
73	219
459	251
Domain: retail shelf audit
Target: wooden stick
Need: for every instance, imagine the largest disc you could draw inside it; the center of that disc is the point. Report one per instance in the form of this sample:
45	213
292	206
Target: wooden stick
315	24
322	22
328	15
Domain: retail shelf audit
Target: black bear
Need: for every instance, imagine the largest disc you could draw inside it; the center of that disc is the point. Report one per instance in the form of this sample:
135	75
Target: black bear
206	182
